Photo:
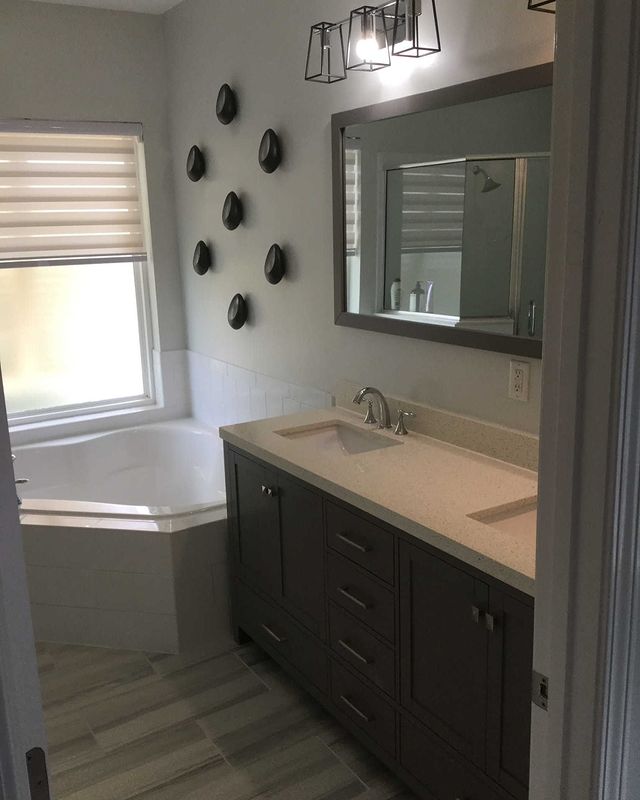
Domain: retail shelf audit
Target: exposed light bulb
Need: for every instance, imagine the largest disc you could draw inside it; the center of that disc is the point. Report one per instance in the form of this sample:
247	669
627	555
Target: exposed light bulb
367	48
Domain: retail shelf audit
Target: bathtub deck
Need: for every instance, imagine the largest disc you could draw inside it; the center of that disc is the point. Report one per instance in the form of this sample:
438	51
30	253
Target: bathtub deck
130	726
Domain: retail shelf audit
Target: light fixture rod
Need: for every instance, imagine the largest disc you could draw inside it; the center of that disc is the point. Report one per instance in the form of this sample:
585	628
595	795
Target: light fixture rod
376	9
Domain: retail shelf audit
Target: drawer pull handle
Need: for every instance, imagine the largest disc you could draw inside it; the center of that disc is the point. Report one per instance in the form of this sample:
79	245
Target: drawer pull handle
476	614
346	646
356	710
490	622
267	491
344	591
273	635
361	548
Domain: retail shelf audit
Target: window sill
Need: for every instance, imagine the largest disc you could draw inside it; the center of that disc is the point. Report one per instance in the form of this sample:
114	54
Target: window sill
81	425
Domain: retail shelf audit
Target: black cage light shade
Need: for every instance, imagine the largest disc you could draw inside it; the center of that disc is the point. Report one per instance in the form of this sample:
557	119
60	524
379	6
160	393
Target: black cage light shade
325	56
368	47
416	32
547	6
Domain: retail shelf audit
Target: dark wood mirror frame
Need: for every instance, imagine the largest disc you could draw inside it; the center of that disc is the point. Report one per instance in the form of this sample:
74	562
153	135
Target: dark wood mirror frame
518	81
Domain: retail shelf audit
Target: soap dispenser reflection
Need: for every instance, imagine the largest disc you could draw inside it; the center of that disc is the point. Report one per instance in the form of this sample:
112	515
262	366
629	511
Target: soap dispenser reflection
396	295
421	298
416	298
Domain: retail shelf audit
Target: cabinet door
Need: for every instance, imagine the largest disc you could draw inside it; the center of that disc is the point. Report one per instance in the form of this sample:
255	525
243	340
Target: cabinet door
509	714
301	533
257	549
443	649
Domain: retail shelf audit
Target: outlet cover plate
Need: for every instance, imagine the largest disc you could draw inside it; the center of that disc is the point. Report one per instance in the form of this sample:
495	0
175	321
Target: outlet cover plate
519	372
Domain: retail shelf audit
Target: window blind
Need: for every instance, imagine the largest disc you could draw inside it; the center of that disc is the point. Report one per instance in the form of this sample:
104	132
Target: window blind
433	208
69	196
352	200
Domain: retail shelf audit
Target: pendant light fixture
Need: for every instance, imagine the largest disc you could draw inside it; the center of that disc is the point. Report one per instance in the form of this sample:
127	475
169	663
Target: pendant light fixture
415	29
368	44
325	56
547	6
406	28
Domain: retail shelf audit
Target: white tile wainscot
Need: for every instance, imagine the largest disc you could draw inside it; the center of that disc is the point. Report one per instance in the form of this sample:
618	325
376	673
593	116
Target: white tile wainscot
223	394
109	586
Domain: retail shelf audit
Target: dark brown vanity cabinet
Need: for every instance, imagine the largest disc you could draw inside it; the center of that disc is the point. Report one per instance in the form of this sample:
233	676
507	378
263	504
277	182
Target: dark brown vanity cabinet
466	650
278	541
425	659
444	649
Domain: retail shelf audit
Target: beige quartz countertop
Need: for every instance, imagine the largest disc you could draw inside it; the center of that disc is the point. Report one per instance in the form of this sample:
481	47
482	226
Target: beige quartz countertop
424	487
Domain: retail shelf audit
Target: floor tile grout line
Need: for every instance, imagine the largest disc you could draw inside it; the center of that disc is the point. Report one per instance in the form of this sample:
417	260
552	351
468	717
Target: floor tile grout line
214	744
253	672
344	763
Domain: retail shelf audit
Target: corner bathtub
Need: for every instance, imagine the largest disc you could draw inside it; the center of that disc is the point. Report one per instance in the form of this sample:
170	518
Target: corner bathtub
125	538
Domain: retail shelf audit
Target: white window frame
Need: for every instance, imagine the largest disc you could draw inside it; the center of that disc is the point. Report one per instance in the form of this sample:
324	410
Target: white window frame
143	270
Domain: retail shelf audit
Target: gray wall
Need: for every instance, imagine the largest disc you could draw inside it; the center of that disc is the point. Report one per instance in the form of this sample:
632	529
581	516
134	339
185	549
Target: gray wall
66	63
260	48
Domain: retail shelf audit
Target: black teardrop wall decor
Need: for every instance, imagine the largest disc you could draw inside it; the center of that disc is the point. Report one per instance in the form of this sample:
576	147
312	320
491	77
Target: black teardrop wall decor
275	264
232	212
196	164
226	104
202	258
270	152
238	312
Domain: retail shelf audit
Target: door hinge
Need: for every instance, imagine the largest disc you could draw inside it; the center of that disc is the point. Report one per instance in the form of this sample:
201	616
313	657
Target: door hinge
37	772
540	690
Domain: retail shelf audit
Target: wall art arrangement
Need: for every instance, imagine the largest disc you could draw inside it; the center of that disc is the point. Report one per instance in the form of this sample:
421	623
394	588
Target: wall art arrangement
232	212
269	158
226	104
238	312
275	265
270	152
202	258
196	164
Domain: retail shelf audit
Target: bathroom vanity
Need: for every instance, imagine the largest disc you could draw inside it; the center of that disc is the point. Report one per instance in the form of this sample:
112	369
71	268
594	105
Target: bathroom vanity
393	578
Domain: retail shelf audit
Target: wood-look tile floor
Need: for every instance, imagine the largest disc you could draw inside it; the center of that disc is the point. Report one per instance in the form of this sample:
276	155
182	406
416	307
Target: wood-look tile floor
130	726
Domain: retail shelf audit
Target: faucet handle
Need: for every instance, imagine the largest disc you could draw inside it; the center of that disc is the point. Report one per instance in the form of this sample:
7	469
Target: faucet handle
400	426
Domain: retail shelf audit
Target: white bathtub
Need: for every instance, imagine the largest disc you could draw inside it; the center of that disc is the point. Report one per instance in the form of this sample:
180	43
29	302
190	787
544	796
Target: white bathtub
125	538
153	471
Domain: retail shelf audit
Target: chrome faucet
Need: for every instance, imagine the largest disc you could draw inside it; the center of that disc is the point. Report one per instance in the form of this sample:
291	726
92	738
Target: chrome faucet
384	416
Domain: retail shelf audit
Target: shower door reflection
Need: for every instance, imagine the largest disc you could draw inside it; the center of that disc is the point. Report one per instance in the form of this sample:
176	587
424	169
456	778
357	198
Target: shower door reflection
464	243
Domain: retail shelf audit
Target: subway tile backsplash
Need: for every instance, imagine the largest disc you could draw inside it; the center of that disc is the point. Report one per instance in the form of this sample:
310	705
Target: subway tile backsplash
223	394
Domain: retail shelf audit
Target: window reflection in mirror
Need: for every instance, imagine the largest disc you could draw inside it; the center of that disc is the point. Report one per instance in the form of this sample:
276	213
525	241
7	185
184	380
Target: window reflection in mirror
446	214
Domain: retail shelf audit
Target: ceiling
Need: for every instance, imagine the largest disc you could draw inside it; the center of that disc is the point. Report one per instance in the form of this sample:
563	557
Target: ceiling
141	6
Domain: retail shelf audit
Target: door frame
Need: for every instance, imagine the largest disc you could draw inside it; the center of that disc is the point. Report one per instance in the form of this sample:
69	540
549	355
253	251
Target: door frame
21	719
588	479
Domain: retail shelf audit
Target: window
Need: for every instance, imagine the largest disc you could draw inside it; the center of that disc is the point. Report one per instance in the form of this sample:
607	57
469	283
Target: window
74	315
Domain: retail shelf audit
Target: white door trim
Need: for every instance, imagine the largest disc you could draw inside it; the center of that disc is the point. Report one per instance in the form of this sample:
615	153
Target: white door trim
21	724
592	258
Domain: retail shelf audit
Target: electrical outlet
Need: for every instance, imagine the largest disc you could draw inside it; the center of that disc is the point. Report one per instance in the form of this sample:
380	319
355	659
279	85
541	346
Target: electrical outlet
519	380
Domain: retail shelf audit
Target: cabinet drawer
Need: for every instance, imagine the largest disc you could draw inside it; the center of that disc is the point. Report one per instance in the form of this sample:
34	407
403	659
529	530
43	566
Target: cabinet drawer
364	708
440	771
362	649
361	541
361	595
272	628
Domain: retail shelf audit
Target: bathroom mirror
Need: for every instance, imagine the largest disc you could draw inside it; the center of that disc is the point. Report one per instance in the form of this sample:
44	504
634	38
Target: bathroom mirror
440	213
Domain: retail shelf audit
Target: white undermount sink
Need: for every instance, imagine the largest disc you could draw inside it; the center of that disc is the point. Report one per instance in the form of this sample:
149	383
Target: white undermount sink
339	437
519	519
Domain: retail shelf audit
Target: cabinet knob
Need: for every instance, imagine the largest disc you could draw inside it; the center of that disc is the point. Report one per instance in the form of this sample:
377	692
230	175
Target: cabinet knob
267	491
